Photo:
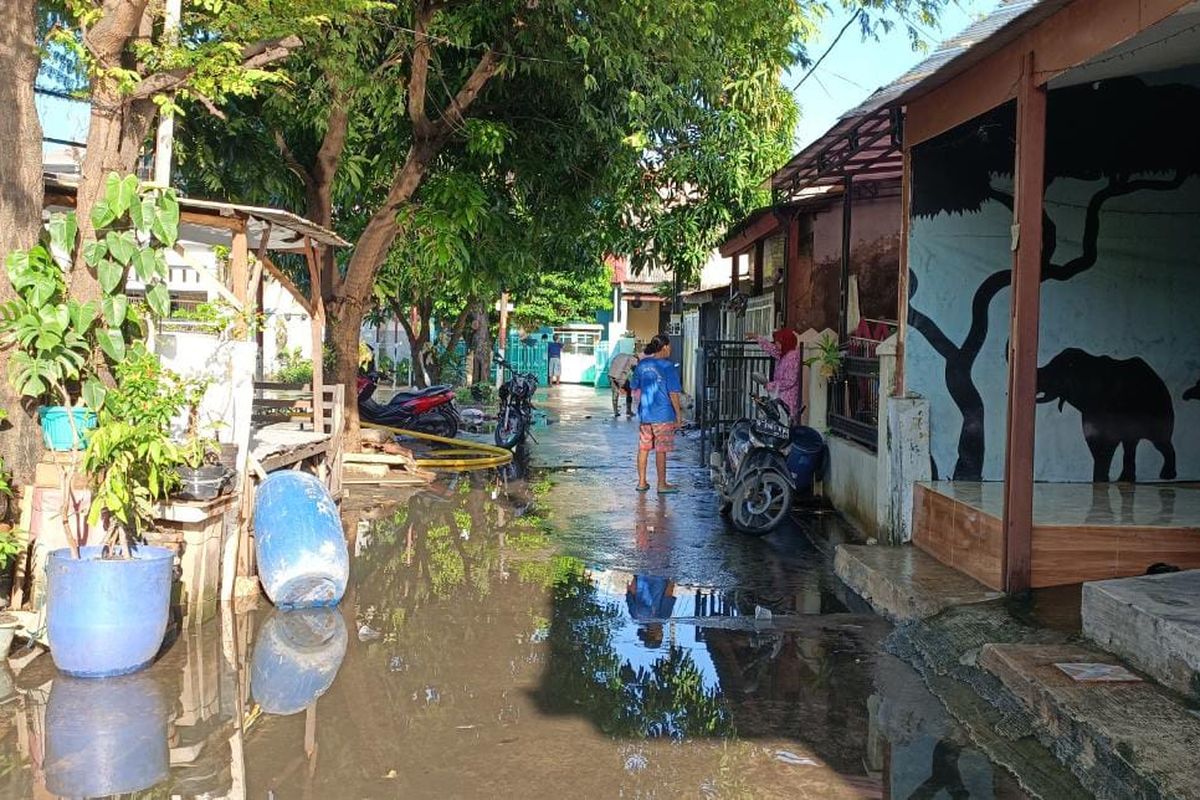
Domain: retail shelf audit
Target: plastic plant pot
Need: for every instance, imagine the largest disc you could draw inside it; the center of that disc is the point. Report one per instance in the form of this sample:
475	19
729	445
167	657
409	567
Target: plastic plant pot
56	427
107	616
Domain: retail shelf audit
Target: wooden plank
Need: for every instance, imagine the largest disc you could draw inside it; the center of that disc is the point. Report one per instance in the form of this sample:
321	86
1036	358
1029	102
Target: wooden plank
317	331
1023	333
239	276
291	457
898	383
286	283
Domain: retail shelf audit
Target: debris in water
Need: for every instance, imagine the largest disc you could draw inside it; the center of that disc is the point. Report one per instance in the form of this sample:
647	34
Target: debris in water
465	727
795	760
368	634
762	613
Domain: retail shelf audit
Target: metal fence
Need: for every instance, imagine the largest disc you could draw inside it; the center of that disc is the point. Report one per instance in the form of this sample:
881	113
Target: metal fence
724	387
854	400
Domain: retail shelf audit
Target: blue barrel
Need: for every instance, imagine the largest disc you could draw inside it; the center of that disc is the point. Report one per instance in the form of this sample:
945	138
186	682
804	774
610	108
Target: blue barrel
107	616
105	737
296	657
302	556
806	459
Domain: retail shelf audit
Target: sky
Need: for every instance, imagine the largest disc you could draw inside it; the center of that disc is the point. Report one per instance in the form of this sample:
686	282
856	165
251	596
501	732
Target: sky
854	68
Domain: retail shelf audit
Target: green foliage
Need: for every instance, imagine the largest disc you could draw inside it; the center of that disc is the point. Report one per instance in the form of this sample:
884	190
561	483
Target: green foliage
130	454
478	394
56	338
218	317
558	297
828	358
293	367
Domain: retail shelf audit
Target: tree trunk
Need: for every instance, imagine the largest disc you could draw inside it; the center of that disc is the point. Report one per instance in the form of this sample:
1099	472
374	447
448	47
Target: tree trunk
483	343
21	193
345	366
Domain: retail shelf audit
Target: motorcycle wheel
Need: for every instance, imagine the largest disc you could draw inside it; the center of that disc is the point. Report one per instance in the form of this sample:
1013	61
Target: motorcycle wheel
761	502
510	428
447	423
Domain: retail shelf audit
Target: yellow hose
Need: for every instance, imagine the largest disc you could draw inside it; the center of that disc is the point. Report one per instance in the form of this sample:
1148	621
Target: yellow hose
491	456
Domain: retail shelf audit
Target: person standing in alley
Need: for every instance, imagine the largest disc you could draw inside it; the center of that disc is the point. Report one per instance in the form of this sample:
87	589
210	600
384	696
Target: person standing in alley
658	388
554	358
619	370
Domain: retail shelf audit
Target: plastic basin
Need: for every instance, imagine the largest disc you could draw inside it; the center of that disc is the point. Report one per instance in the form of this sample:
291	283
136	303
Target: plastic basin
56	427
298	539
107	616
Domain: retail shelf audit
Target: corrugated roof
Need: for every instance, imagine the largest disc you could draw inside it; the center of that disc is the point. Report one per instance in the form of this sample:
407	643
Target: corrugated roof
979	40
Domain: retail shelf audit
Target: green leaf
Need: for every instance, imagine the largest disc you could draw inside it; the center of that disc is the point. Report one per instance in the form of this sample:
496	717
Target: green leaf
129	192
159	300
145	265
103	214
62	231
166	226
121	246
110	273
93	252
94	393
114	308
143	214
112	342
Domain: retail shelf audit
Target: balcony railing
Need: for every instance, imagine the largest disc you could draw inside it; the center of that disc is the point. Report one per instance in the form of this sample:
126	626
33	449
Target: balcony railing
854	388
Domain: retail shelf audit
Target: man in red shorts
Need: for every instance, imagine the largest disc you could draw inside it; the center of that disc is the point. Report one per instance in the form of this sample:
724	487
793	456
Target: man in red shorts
656	382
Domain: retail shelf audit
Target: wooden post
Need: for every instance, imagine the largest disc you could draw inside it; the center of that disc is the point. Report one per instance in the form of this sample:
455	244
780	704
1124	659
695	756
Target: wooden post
317	326
1023	336
757	274
239	277
733	277
898	387
844	308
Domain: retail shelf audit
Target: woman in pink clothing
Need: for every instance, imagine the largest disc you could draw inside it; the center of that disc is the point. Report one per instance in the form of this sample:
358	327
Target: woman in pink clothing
784	347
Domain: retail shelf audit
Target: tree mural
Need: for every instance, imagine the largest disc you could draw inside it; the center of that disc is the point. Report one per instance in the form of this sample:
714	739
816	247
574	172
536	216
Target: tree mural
1116	131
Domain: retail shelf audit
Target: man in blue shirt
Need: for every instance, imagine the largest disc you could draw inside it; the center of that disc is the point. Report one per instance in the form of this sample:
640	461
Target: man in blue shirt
554	356
656	382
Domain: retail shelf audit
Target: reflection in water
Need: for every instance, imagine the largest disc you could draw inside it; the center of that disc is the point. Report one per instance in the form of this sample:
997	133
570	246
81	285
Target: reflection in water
105	736
296	658
470	660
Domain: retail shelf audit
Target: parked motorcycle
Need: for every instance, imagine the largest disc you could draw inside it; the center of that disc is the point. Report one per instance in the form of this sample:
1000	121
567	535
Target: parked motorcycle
429	410
516	406
765	461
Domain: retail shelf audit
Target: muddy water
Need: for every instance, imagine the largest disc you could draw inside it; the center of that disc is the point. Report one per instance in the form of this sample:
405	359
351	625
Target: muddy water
544	634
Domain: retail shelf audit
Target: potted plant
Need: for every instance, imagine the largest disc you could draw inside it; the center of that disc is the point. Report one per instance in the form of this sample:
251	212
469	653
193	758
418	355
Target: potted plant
107	605
828	359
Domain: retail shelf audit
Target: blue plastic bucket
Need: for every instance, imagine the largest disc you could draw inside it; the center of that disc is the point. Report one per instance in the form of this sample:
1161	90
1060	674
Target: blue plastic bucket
107	616
302	556
105	737
806	459
296	657
56	427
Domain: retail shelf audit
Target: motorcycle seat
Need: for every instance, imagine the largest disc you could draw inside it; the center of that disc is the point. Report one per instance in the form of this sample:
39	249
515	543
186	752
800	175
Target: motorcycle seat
404	397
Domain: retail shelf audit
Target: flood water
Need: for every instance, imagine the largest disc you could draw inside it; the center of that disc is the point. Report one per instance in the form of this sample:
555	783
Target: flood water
537	632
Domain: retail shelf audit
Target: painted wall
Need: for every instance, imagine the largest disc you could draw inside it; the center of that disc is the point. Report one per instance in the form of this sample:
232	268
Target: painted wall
644	322
1119	343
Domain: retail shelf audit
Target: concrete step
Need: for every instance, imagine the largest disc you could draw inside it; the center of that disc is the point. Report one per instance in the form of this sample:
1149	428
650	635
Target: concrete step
1122	740
1153	622
903	583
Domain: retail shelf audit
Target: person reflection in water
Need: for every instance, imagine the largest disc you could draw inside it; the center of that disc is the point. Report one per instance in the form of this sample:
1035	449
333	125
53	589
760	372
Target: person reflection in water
650	599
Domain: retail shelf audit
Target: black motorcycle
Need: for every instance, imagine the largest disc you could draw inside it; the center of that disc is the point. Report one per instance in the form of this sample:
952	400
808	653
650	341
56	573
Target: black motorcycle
429	410
516	406
765	462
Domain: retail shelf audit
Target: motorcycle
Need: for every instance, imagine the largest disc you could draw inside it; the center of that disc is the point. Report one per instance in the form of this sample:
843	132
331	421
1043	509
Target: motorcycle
516	406
429	410
765	461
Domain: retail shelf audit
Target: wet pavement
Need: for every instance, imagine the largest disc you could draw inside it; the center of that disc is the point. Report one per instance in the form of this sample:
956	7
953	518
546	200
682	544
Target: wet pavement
539	631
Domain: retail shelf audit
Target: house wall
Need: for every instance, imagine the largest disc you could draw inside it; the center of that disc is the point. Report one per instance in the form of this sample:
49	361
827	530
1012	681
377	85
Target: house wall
1119	333
286	326
644	322
850	482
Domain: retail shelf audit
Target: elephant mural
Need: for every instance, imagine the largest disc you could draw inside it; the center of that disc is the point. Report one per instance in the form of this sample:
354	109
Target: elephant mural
1122	402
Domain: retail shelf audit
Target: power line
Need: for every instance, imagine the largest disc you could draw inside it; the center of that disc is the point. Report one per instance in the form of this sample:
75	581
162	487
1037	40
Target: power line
853	17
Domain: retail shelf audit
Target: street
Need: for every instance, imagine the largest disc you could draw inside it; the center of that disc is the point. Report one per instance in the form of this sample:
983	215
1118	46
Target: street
538	632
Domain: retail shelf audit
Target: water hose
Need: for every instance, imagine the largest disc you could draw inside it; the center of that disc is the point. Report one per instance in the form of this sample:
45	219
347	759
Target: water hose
489	454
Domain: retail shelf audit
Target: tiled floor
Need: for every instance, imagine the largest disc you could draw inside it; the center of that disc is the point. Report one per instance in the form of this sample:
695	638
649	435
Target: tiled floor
1163	505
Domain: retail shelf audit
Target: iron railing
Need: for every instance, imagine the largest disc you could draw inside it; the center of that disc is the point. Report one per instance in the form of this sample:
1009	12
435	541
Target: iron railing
854	400
725	386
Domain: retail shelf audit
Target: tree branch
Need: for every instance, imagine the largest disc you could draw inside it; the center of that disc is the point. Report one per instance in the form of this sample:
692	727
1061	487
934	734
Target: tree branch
452	117
419	72
290	159
254	56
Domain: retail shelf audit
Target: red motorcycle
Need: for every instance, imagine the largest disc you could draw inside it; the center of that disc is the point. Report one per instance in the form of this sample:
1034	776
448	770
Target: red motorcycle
429	410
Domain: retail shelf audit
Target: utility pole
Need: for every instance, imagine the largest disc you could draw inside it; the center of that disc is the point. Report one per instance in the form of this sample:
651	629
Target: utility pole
164	140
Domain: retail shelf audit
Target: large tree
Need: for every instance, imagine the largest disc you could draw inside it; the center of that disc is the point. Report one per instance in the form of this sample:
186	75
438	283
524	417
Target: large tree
20	199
